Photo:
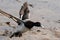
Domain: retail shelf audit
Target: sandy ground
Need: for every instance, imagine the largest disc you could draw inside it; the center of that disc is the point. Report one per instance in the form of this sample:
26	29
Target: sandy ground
45	11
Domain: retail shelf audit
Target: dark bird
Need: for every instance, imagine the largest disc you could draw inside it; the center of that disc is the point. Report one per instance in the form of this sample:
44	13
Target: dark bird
23	27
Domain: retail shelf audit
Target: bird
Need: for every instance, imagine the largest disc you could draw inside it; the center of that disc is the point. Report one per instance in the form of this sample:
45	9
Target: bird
23	27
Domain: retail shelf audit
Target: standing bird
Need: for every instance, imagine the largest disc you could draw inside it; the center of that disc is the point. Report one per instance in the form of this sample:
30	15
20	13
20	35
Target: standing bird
24	11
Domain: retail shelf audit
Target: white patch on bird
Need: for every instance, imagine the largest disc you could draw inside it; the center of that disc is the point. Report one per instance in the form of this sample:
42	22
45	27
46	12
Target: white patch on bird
21	17
21	28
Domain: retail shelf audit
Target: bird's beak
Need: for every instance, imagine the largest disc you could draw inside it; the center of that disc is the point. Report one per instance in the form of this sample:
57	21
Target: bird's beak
42	26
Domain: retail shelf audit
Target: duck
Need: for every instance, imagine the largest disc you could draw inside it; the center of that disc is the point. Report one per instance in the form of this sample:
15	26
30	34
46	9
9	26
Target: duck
23	27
